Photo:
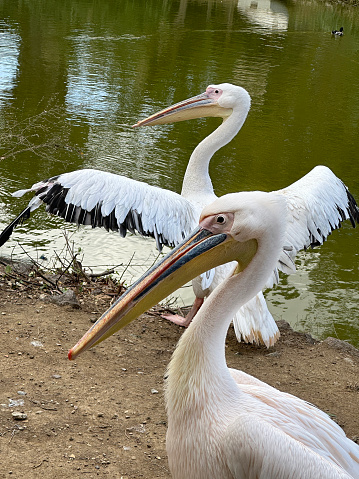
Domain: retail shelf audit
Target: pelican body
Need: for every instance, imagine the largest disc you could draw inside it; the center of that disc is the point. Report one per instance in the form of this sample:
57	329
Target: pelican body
222	422
317	204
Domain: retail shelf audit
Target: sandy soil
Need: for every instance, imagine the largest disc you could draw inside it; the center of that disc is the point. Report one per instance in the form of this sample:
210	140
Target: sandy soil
104	415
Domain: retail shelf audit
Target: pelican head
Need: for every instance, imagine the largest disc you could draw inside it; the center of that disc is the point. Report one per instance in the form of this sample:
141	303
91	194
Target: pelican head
230	229
217	101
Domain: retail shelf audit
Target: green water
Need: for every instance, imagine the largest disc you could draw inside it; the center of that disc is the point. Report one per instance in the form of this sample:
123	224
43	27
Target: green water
75	75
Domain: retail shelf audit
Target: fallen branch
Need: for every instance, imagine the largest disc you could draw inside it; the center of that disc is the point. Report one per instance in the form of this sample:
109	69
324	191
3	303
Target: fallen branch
104	273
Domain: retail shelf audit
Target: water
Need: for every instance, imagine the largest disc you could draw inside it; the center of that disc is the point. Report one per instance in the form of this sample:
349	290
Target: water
75	76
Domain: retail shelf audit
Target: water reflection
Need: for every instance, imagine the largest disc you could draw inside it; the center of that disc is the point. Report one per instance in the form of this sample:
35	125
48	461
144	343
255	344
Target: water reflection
269	15
94	84
9	47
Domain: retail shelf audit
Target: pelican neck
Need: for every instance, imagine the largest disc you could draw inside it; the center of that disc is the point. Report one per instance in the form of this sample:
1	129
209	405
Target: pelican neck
197	173
201	349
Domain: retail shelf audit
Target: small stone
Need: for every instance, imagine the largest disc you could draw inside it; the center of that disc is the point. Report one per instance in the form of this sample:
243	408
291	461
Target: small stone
19	416
275	354
16	402
349	360
154	391
56	376
65	299
139	428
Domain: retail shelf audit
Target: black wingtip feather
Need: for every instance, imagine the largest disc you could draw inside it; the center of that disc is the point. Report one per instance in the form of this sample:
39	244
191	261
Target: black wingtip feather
54	198
5	235
353	210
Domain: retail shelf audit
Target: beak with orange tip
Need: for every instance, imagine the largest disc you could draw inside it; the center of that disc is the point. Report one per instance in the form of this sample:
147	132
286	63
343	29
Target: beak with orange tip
198	253
204	105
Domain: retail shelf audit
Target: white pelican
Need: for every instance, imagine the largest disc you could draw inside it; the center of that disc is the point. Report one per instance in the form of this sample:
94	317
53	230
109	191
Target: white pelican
224	423
318	202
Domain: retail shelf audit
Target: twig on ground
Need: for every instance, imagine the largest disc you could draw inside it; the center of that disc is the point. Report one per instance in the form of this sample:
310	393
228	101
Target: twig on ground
104	273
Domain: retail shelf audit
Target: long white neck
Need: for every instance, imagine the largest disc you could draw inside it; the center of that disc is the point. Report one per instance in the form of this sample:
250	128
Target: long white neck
196	178
198	363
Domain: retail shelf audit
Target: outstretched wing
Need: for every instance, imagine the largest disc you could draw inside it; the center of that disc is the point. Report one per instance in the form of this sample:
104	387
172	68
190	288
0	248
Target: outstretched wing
102	199
317	205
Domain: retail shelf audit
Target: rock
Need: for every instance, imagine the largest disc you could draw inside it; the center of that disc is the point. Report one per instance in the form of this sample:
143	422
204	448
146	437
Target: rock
284	325
16	402
139	428
19	416
275	354
341	346
285	329
65	299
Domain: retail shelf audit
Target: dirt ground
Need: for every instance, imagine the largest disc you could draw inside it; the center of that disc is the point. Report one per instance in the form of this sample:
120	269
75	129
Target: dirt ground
103	415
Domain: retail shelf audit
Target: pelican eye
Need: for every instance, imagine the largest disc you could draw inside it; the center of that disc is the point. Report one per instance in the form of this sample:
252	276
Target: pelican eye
216	91
220	219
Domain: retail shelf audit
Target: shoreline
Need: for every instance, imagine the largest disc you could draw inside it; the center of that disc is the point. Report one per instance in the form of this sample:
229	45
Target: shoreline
103	415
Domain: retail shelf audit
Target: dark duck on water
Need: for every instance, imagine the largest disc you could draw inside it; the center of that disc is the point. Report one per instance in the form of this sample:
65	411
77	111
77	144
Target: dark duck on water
339	32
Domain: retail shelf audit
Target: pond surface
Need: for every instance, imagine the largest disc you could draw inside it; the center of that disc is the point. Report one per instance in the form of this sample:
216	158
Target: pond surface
74	77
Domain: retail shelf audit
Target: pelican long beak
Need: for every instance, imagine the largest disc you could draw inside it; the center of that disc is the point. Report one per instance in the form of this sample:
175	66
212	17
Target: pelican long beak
196	107
198	253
